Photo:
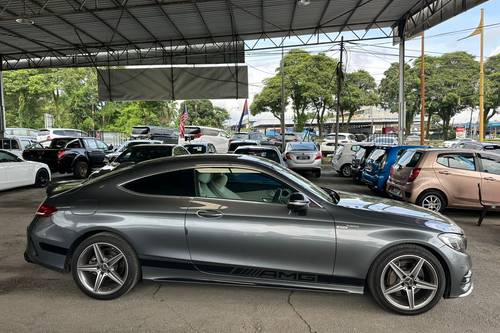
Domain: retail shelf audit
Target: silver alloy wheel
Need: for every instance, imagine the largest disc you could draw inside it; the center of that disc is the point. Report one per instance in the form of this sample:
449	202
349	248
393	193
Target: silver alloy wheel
102	268
409	282
346	170
432	202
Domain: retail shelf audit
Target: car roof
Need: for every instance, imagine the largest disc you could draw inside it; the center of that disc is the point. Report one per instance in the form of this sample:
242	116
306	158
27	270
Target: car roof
257	148
164	145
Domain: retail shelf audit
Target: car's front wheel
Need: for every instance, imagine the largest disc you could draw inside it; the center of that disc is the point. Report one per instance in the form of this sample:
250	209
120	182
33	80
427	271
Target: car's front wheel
407	279
346	170
42	178
104	266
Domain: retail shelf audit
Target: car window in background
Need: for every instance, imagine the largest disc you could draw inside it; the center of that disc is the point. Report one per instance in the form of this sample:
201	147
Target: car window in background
7	157
304	146
139	154
355	147
175	183
265	153
90	143
240	136
360	153
178	151
196	149
376	155
60	143
410	158
457	161
256	136
101	145
74	144
490	164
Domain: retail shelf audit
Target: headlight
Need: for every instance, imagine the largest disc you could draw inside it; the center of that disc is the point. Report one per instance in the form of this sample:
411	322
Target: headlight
455	241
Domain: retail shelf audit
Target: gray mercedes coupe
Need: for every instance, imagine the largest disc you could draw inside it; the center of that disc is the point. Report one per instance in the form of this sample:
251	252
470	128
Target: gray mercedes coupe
243	220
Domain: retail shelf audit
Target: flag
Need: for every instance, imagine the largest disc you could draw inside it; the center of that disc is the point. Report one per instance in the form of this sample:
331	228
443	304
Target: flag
476	31
184	118
243	114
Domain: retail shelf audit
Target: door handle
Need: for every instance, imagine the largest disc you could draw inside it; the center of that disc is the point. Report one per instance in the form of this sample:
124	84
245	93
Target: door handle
444	172
211	214
489	178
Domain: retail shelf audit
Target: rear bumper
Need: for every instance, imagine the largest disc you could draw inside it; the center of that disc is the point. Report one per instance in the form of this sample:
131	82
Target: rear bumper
315	165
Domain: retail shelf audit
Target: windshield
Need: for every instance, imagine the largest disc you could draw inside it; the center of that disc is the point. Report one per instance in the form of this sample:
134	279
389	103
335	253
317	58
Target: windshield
376	154
304	146
139	154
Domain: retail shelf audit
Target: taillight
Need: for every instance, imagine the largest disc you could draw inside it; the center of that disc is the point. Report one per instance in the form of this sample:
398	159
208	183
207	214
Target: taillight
287	156
46	210
414	174
60	153
318	156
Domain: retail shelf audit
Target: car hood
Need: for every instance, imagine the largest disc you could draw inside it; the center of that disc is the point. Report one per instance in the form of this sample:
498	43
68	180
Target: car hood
408	212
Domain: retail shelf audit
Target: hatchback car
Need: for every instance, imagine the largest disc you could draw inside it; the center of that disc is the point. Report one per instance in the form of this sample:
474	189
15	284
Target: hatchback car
342	160
378	165
359	161
440	178
303	156
328	145
242	220
216	136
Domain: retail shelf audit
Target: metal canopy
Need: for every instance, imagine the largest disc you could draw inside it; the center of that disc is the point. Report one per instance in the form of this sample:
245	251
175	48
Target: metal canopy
64	31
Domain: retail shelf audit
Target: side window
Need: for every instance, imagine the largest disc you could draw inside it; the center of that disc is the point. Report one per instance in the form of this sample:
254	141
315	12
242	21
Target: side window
175	183
457	161
355	147
90	143
5	144
240	184
7	157
101	145
74	144
490	164
14	144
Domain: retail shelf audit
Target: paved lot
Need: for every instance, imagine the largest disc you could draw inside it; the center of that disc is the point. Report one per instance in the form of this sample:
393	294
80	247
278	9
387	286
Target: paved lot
34	299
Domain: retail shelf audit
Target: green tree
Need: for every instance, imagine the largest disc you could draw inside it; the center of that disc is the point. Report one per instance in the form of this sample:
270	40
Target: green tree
359	89
269	99
492	87
202	112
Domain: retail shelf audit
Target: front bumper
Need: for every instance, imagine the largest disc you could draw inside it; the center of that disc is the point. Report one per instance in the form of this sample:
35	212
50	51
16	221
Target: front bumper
460	273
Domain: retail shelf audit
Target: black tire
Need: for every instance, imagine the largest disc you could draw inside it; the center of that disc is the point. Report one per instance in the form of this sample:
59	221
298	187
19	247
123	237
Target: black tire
401	251
317	173
42	178
346	171
424	199
81	169
132	265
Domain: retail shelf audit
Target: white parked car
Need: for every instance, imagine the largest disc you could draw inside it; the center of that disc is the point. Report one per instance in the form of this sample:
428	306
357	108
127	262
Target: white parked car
328	144
16	172
216	136
456	142
46	134
16	145
342	160
303	156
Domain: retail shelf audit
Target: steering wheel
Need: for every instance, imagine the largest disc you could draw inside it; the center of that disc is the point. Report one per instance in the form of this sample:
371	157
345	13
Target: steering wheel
282	195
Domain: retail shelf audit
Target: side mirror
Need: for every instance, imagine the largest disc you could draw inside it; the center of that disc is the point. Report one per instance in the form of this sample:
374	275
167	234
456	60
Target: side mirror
298	203
110	147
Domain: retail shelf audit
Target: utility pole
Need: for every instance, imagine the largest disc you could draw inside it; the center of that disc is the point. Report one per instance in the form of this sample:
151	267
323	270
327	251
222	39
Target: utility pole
283	102
2	103
340	79
481	78
422	90
402	104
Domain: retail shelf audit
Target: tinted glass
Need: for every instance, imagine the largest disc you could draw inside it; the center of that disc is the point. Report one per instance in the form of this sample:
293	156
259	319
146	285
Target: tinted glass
355	147
5	143
7	157
178	151
14	144
101	145
140	130
60	143
90	143
304	146
377	155
139	154
240	184
235	145
490	164
240	136
457	161
266	153
74	144
409	159
175	183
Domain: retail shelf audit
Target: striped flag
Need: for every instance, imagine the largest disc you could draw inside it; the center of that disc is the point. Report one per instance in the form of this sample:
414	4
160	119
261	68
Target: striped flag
184	118
243	114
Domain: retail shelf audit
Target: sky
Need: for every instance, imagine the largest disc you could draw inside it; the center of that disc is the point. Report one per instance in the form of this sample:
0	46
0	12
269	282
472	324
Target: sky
262	64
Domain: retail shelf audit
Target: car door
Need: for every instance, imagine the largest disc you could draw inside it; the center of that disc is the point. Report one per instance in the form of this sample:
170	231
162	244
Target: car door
490	178
96	156
15	172
459	176
235	227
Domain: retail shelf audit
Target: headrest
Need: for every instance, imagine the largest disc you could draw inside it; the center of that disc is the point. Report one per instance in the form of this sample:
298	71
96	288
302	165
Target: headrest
219	180
204	178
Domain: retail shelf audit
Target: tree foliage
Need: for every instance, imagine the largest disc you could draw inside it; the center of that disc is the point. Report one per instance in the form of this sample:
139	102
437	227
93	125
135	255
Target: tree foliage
202	112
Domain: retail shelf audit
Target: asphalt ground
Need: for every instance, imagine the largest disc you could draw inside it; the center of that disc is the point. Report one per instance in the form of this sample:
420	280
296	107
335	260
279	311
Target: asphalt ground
35	299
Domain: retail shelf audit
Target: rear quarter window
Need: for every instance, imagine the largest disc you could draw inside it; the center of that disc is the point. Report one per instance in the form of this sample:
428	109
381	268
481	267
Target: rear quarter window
410	159
175	183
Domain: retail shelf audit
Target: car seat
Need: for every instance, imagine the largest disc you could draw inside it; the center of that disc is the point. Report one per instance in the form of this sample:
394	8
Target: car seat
204	190
218	186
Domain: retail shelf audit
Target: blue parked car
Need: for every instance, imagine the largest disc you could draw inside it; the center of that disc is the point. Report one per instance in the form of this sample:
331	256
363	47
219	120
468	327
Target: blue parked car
378	165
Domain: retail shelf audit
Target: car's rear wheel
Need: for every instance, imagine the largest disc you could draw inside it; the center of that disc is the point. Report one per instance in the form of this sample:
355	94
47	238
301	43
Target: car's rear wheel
432	200
81	169
346	170
407	279
42	178
104	266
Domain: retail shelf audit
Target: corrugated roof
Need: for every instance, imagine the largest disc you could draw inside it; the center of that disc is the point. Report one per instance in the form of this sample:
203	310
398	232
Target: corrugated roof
63	27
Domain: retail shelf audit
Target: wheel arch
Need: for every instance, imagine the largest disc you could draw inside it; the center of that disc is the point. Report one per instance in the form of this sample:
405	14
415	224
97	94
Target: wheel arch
433	189
90	233
424	245
37	170
78	158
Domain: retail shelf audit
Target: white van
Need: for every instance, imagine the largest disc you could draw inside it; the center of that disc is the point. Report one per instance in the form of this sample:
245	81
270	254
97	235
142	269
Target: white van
216	136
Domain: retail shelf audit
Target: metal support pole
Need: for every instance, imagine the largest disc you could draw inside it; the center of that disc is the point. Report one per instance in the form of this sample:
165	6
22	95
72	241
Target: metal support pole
283	99
402	107
2	104
422	91
481	79
339	90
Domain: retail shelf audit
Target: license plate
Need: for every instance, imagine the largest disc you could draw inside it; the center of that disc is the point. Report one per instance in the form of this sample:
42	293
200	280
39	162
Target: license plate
302	157
395	191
